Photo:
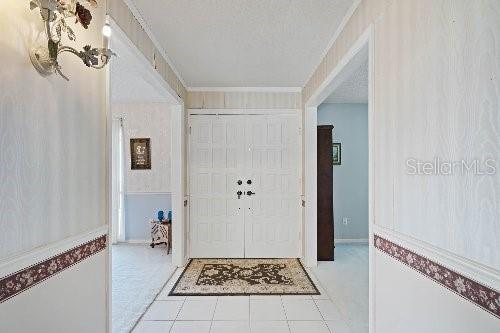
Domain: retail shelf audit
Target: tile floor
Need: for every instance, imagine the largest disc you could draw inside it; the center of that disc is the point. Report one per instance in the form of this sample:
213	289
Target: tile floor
275	314
139	274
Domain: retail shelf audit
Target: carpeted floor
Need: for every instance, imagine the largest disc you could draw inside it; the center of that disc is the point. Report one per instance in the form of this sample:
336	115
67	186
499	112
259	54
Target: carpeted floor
139	273
218	277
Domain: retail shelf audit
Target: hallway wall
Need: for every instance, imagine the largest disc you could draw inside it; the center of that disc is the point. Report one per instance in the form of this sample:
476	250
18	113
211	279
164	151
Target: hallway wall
52	134
436	93
147	120
52	178
71	301
350	179
146	191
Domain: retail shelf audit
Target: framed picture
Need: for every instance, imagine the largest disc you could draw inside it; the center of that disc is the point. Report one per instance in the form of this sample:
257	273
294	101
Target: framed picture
140	154
337	153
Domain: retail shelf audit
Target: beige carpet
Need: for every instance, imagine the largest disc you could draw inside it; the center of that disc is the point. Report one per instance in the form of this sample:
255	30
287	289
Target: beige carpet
219	277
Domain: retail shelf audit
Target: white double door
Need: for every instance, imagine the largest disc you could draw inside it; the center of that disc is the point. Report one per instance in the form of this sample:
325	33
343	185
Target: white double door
244	186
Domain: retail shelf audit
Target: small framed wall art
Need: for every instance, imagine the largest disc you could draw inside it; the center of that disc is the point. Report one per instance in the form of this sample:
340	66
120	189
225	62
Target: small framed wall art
140	154
337	153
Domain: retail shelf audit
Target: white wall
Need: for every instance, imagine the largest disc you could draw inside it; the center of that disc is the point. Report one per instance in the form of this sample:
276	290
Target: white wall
140	208
71	301
147	120
52	173
147	191
350	179
409	302
52	134
441	103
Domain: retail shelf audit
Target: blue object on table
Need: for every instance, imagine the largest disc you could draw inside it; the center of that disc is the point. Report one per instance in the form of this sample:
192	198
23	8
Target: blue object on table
169	215
161	215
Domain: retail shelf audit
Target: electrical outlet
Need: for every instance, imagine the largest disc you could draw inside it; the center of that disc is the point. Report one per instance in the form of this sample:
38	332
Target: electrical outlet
346	220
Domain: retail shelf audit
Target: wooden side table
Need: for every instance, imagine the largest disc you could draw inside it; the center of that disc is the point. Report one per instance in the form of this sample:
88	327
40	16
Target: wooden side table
161	233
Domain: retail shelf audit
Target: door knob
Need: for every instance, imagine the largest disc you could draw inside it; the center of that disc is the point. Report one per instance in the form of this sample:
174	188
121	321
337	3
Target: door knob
239	193
250	193
249	182
240	182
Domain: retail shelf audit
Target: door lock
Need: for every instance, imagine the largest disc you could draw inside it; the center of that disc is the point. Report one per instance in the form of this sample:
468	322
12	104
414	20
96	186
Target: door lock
239	193
249	193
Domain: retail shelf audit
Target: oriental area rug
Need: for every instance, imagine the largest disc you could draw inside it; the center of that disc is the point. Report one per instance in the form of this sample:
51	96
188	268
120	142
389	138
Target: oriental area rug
232	277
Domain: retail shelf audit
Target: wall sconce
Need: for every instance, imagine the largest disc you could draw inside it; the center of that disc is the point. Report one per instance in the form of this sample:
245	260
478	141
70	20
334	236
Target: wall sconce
55	14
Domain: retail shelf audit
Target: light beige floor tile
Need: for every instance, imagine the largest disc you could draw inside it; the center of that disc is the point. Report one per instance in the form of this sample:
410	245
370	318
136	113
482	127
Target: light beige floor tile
197	310
269	327
266	309
163	310
308	327
153	326
339	327
191	327
232	308
265	296
328	310
301	309
296	297
230	327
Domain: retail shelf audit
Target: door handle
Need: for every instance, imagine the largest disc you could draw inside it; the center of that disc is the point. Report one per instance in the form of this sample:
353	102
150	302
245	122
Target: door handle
239	193
250	193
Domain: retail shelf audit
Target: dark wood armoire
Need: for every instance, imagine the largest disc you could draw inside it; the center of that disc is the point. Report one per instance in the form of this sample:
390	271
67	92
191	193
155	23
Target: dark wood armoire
325	193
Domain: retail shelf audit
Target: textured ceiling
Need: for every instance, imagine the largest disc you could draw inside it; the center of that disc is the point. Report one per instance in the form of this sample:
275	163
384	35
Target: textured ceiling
354	89
129	84
243	43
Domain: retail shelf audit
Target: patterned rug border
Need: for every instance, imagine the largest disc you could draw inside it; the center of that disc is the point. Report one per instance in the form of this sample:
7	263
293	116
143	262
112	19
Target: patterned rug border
172	293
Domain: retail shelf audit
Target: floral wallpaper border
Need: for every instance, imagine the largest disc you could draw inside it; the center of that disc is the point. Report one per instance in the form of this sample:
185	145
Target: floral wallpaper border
26	278
483	296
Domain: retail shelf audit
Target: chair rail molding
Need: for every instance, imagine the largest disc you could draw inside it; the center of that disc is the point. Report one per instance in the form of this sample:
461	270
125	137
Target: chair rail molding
19	262
480	273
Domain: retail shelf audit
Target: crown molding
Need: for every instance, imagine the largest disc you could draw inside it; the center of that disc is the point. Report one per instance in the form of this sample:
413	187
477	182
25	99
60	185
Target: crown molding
137	14
341	27
245	89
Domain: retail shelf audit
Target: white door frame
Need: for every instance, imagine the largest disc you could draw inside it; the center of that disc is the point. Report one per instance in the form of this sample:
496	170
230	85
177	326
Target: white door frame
117	230
179	197
366	40
239	112
178	142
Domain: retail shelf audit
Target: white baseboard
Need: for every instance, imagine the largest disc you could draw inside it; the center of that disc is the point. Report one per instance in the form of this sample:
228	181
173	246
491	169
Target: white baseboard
147	193
16	263
136	241
351	241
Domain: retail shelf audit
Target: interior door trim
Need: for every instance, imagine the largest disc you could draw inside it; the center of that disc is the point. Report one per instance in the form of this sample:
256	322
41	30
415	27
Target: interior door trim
192	113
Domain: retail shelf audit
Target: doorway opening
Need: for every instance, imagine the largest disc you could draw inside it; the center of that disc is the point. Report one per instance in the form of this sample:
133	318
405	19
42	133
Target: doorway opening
346	110
145	121
344	105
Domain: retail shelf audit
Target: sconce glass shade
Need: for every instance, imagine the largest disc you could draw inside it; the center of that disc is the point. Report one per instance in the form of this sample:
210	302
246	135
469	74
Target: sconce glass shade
106	30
